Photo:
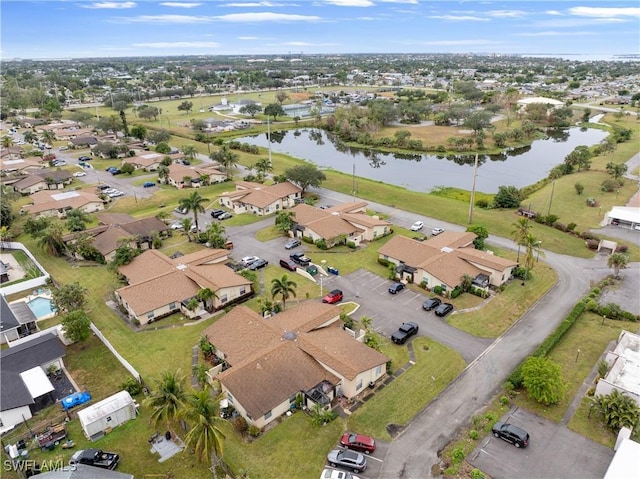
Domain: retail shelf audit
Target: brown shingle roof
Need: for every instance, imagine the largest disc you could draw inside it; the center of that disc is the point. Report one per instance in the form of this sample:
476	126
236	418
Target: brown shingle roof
407	250
259	195
451	239
486	258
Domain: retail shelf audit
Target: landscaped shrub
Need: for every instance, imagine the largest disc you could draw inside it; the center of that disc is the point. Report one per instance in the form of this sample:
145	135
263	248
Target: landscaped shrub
560	226
321	244
240	424
351	245
586	235
457	291
592	244
477	474
457	455
438	289
473	434
306	239
132	386
592	305
423	284
254	431
482	203
383	262
623	248
609	186
571	226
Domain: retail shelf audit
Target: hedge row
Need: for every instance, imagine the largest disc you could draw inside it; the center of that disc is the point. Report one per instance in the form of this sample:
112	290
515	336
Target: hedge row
548	344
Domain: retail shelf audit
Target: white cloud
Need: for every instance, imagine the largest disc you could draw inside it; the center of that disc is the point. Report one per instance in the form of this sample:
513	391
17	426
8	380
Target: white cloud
459	18
553	12
350	3
412	2
180	4
605	12
248	38
266	17
254	4
552	33
181	19
178	45
111	5
506	13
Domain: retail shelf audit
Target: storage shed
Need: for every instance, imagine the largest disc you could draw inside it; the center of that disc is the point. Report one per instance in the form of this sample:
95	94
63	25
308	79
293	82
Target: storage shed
101	417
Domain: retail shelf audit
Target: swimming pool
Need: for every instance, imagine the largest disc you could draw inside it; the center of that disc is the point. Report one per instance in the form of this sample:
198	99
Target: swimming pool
41	307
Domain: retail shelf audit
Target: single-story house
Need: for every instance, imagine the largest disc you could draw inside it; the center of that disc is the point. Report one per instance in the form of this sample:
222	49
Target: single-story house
183	176
20	166
159	286
16	320
302	352
113	228
624	365
83	141
13	152
147	161
51	203
623	216
347	221
82	471
444	259
43	180
100	418
24	386
259	199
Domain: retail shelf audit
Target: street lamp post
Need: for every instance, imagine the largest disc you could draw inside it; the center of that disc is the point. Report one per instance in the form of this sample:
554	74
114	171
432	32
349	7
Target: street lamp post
538	255
577	355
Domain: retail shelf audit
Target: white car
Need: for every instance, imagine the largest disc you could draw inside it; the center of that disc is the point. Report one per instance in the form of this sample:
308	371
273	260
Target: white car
417	226
437	231
63	148
115	194
247	260
336	474
78	174
177	226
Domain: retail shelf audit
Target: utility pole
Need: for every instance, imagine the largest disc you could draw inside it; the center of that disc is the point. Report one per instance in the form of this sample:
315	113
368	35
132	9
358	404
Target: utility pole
473	189
269	140
553	186
353	182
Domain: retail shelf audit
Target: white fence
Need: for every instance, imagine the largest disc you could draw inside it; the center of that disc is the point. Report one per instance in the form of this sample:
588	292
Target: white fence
118	356
28	284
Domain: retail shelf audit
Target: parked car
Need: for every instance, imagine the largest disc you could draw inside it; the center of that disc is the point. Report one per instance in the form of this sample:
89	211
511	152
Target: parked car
177	226
312	269
75	399
225	216
336	474
292	243
404	332
417	226
431	303
109	169
358	442
78	174
103	187
347	459
444	309
260	263
115	194
59	162
396	288
288	264
148	184
437	231
216	213
63	148
510	433
300	258
334	296
95	458
85	158
247	260
117	171
182	211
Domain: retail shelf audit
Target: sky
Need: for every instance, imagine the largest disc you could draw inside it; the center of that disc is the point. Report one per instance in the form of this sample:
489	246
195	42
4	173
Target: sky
587	29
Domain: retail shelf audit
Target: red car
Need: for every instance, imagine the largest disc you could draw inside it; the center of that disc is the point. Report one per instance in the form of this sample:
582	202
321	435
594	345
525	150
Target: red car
358	442
333	297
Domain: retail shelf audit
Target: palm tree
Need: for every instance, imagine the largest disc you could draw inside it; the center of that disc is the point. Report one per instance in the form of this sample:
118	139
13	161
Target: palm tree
520	231
29	136
168	398
189	151
186	224
227	158
194	203
285	220
262	167
532	247
204	295
51	240
283	287
205	436
163	173
617	261
48	136
7	141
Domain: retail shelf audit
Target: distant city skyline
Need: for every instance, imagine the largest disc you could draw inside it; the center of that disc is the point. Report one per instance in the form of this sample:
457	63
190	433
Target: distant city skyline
582	30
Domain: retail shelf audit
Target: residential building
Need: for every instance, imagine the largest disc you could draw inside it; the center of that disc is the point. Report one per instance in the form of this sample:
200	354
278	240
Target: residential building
624	365
261	199
51	203
44	179
443	261
116	228
16	320
183	176
345	222
302	352
24	386
159	286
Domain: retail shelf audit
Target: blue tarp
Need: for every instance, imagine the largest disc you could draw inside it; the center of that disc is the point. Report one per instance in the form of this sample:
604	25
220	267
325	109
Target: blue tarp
75	399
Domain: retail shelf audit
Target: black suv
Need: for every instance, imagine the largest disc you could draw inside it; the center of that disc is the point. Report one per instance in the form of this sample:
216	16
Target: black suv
395	288
300	258
510	433
431	303
216	213
444	309
404	332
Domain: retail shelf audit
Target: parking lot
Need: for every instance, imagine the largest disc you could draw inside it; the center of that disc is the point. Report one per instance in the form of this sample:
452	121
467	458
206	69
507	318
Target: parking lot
374	461
554	451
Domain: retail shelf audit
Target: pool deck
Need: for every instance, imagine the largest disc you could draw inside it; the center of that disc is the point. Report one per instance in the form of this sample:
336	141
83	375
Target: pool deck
39	293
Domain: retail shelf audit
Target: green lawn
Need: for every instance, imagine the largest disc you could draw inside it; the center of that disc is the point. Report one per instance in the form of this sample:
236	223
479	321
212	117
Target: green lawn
436	366
591	336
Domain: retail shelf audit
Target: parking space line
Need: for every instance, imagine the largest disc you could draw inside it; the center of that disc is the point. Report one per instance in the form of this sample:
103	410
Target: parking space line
412	298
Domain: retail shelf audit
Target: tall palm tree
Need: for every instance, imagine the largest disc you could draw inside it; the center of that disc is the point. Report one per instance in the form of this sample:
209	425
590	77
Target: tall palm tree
227	158
263	166
48	136
189	151
7	141
29	136
205	436
520	231
194	203
617	261
532	247
168	398
51	240
204	295
163	173
283	287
